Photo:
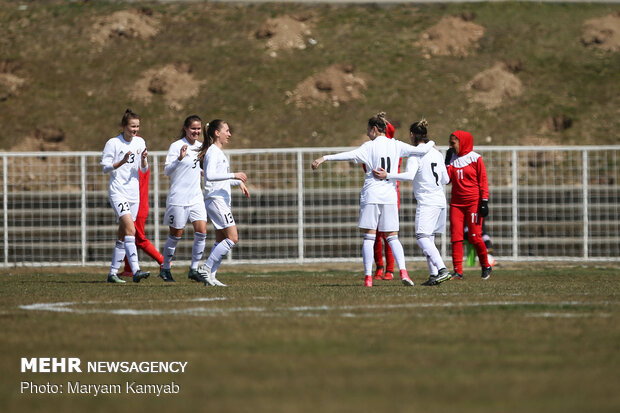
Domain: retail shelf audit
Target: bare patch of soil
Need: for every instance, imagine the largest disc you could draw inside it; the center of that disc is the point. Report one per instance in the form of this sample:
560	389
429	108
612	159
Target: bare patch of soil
336	84
492	86
25	175
452	35
10	83
125	24
284	33
603	33
557	123
174	82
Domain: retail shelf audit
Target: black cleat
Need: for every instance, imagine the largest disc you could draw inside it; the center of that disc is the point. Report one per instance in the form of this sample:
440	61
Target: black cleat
194	275
457	276
140	275
486	273
444	275
166	275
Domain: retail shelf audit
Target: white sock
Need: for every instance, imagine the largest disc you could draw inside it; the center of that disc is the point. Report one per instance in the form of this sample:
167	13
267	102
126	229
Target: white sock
118	257
169	249
431	252
198	249
368	252
219	252
397	250
131	252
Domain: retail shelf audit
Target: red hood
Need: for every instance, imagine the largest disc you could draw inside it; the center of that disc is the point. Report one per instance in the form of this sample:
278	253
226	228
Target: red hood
389	130
466	142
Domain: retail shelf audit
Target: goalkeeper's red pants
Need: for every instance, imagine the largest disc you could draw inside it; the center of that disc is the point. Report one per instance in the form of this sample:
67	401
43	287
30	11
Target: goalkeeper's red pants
459	217
143	243
389	257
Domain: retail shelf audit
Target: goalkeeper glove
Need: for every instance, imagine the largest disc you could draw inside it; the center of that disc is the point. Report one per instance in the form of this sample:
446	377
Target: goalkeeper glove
483	211
449	154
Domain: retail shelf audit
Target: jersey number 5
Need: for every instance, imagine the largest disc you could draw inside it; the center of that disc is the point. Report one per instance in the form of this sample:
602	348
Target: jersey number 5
433	166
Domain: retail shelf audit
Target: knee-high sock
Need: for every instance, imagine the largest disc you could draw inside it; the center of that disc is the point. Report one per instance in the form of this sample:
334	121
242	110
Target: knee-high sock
368	252
397	250
431	252
378	252
131	252
219	252
169	249
457	256
198	248
481	250
118	256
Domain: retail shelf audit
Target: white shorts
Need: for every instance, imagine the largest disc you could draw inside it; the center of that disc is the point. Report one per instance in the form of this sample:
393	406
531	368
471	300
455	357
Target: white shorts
430	220
219	213
382	217
177	216
123	207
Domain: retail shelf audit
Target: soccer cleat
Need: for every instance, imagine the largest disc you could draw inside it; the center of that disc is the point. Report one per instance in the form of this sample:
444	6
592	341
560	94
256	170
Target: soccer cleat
113	278
457	276
126	274
404	277
217	282
368	281
486	273
436	279
205	275
140	275
194	274
166	275
378	273
388	276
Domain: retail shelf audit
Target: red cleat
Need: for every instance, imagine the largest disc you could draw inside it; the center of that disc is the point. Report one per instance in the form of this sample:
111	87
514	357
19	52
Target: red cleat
404	277
388	276
378	273
126	274
368	281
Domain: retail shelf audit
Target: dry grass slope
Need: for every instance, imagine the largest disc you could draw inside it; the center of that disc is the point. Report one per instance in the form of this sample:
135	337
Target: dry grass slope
309	75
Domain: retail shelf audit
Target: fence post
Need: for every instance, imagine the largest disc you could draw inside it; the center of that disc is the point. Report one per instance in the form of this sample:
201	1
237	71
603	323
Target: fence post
515	205
300	207
83	208
584	185
5	207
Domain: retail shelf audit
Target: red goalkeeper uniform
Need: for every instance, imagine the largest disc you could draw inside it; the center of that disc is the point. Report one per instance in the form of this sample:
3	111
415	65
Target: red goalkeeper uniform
470	190
143	212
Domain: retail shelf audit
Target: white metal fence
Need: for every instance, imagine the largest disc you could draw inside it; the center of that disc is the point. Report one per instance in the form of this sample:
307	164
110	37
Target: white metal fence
547	203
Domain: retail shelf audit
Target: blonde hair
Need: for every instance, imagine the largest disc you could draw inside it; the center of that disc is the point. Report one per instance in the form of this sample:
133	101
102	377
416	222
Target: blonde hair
420	129
379	120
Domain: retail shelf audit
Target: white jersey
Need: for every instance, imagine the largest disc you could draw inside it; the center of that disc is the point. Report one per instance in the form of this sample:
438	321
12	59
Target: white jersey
385	153
185	175
429	175
218	177
124	180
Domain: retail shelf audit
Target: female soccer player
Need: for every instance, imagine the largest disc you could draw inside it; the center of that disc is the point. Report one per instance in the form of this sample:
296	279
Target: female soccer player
184	200
378	200
429	175
469	202
122	157
218	180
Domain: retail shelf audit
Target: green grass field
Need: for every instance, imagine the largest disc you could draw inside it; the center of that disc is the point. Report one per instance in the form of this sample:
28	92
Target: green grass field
538	339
